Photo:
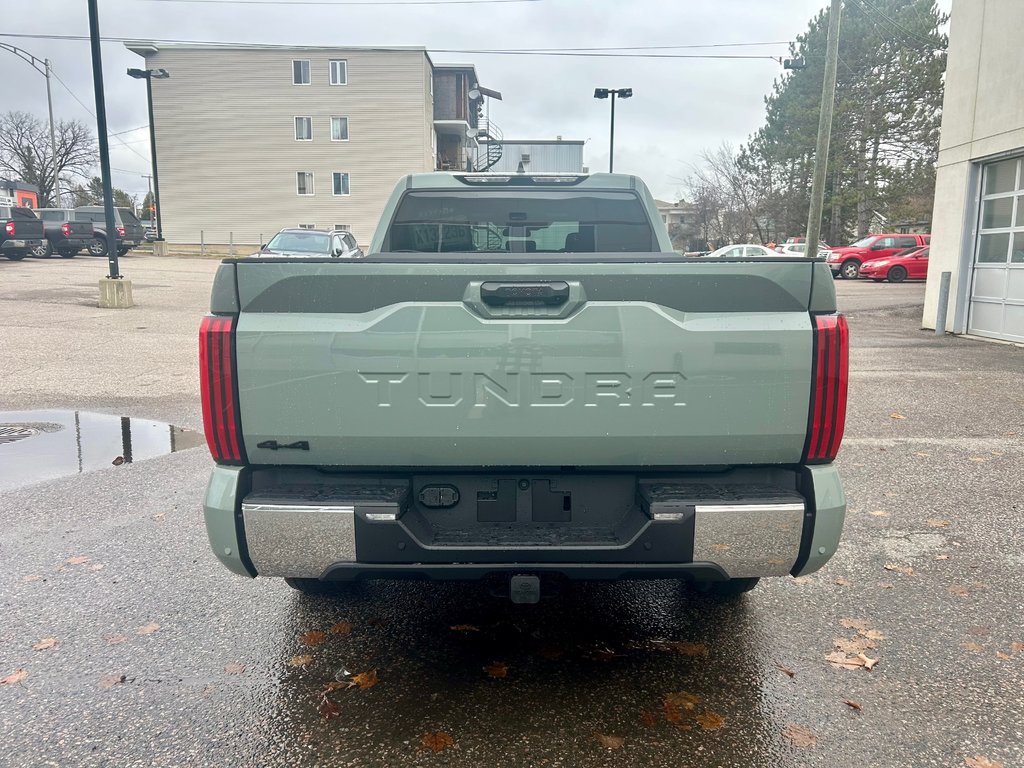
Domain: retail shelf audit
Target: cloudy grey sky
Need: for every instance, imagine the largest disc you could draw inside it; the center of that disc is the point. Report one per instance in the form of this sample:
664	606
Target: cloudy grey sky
680	106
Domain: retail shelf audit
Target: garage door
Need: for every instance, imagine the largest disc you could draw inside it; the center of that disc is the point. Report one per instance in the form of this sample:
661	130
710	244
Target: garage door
997	283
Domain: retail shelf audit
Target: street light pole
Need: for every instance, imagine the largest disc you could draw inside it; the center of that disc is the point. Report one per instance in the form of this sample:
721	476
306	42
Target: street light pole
101	130
604	93
148	75
43	68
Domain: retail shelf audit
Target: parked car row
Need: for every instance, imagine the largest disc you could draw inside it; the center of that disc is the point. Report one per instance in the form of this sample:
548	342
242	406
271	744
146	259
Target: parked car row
846	262
66	232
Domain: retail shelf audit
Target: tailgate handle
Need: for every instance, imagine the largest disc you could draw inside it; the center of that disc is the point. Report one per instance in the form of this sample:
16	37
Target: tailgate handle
546	294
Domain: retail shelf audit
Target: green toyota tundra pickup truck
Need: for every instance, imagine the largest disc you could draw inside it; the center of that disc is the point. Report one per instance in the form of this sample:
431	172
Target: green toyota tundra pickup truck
522	381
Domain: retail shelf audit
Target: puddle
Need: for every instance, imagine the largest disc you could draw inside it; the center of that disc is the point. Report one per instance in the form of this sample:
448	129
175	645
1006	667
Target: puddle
42	445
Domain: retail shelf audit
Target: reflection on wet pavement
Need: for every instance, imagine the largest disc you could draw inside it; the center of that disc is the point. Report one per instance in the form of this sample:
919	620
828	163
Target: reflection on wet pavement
42	445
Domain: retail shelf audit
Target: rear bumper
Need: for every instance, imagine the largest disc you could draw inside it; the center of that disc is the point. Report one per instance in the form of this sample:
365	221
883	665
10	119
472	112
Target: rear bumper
19	245
338	539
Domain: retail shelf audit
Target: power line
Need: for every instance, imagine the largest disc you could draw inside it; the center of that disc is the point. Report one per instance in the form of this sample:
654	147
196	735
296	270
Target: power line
868	7
130	130
582	52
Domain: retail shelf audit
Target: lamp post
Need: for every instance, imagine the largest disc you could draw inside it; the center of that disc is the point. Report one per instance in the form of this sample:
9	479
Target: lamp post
43	68
148	75
604	93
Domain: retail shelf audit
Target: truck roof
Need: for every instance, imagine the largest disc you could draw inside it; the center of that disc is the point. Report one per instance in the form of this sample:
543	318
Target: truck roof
460	180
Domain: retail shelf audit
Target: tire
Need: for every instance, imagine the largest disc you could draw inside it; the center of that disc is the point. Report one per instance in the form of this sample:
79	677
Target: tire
850	269
723	591
123	251
43	251
897	274
878	279
317	587
15	256
69	254
98	246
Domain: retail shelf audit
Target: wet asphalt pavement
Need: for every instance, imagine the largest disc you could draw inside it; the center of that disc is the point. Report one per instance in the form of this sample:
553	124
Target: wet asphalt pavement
97	560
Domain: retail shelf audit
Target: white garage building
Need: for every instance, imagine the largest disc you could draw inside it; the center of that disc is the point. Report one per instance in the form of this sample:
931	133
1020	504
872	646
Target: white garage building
978	220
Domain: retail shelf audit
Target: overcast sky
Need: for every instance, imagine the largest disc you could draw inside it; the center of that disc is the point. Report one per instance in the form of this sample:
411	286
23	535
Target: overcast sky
679	107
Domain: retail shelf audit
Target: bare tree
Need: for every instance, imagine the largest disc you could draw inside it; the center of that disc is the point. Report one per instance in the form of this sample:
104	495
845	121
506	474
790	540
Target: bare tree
25	152
730	197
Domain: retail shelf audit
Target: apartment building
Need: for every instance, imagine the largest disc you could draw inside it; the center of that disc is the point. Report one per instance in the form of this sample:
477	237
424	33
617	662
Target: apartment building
251	139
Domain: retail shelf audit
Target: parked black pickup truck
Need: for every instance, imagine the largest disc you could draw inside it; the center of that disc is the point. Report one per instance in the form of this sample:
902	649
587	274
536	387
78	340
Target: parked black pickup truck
65	234
130	231
20	232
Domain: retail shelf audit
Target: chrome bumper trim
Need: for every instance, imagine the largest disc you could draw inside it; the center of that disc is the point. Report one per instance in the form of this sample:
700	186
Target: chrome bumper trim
748	539
298	540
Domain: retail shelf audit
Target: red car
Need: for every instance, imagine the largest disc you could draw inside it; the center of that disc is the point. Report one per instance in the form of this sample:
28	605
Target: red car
846	261
909	264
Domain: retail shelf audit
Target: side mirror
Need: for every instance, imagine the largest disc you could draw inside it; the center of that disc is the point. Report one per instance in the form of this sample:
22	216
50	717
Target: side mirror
338	253
263	246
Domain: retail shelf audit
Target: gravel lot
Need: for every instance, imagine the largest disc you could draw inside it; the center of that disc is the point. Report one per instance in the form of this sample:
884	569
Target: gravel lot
933	464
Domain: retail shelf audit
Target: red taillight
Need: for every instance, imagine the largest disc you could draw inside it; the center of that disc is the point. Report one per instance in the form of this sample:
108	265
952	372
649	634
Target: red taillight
221	417
65	229
10	228
828	394
120	231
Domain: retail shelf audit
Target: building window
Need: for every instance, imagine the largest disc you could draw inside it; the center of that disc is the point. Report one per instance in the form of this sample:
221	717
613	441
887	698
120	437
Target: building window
307	226
339	72
304	182
340	183
300	71
303	128
339	129
342	227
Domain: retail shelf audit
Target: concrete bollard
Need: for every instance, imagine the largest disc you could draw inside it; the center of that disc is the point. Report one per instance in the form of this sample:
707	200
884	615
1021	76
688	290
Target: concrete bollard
231	243
940	317
202	243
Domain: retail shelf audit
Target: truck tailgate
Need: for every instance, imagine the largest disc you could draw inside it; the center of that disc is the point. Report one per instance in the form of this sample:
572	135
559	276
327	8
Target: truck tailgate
656	363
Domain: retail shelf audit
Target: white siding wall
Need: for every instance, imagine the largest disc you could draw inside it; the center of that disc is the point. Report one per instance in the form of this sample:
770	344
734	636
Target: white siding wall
226	142
558	157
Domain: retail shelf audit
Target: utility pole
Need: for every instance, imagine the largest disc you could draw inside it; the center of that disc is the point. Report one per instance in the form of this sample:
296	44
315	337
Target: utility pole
828	100
115	292
53	140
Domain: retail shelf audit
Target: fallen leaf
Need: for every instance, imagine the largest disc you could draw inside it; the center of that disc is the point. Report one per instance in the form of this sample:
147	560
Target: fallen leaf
78	560
842	582
342	628
934	522
710	721
1003	656
147	629
979	631
27	579
842	660
364	680
464	628
234	668
42	645
550	653
675	703
801	580
109	681
328	709
980	761
15	677
97	567
497	669
312	638
437	742
118	461
886	585
872	634
869	664
612	742
300	661
921	454
648	718
942	556
1017	647
958	589
799	736
159	517
879	513
854	645
978	459
906	570
858	624
972	647
115	639
335	685
721	547
785	670
852	705
897	416
692	650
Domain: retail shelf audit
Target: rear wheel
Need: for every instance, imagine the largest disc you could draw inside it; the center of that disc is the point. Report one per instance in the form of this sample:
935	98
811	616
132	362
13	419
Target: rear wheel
98	246
897	275
43	251
850	269
69	254
878	279
123	251
729	589
15	256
